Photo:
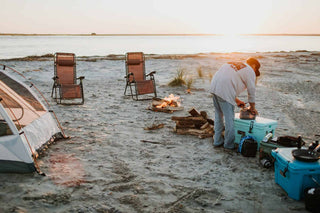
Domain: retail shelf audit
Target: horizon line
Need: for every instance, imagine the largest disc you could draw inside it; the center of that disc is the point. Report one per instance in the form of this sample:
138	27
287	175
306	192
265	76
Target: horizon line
154	34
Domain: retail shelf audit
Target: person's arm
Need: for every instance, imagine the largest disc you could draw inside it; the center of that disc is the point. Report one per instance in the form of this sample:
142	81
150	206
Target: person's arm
250	79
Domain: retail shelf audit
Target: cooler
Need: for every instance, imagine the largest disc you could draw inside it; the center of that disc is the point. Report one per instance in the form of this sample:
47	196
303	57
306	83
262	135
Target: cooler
257	128
292	175
266	148
277	142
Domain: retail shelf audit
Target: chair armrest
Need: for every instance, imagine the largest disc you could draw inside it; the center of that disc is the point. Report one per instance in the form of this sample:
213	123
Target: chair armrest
56	80
151	73
81	78
128	75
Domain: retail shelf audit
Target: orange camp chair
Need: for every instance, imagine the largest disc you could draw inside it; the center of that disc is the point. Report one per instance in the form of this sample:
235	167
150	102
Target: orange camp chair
136	76
65	85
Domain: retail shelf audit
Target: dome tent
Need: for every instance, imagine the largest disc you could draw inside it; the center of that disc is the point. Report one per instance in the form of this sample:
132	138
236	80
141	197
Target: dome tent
26	125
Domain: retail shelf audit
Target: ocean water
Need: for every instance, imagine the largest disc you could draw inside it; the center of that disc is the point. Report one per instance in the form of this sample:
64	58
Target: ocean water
21	46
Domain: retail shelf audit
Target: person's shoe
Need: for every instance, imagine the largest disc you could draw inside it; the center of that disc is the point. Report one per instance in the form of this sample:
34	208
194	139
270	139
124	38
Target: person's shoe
228	150
217	146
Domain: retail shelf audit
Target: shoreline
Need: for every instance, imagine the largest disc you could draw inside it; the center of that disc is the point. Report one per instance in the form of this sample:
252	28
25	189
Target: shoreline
147	34
49	56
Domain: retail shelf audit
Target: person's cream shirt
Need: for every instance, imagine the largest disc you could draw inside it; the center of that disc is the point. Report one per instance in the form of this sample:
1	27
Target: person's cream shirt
228	83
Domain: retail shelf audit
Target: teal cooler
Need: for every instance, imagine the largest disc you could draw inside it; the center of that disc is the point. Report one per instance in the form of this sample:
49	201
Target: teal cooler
257	128
292	175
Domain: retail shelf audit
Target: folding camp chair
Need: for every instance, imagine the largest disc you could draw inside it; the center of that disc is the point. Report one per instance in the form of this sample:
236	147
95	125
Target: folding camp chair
136	78
65	85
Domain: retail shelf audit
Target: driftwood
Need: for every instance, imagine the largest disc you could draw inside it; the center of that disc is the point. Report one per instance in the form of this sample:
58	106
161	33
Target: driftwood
153	142
197	124
167	109
154	126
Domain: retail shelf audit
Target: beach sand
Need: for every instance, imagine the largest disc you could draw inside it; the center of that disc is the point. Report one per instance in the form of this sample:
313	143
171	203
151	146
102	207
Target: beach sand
104	166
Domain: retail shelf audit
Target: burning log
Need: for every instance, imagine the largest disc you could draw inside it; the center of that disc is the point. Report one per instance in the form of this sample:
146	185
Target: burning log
168	104
197	124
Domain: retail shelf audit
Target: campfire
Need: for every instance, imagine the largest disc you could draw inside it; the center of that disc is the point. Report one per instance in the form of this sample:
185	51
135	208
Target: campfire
172	101
197	124
168	104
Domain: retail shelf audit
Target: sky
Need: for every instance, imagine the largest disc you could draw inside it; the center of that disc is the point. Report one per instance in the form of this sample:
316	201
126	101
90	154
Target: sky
160	16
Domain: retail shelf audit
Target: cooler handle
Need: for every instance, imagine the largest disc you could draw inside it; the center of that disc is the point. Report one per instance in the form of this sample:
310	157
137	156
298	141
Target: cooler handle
251	126
283	173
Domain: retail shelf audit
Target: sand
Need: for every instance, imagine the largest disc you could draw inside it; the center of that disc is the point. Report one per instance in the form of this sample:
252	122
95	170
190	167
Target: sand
104	166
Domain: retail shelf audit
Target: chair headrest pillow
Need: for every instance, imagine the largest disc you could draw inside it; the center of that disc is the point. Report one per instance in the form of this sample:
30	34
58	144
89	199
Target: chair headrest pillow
65	62
133	61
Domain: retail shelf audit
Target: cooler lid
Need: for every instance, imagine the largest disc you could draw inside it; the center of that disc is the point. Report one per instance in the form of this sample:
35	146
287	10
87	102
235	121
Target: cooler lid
284	155
260	121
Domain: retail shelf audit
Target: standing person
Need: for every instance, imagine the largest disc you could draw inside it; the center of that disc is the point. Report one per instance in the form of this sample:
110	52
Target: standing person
228	82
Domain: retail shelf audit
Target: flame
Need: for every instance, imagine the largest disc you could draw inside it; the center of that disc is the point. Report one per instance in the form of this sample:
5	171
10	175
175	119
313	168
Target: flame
171	100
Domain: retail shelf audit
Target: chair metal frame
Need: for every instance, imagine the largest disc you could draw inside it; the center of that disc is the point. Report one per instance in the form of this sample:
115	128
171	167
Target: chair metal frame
56	92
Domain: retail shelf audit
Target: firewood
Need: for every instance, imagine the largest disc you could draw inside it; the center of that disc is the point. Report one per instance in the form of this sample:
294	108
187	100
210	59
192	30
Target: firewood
205	136
204	114
157	101
153	142
189	118
166	110
197	124
184	125
192	131
210	121
154	126
204	126
194	112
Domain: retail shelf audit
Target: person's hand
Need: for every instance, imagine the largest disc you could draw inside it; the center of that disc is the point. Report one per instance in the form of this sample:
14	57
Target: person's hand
240	103
253	110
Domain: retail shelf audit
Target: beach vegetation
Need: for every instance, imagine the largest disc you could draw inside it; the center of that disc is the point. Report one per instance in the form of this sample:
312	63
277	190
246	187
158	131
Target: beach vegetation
179	78
200	72
210	76
189	83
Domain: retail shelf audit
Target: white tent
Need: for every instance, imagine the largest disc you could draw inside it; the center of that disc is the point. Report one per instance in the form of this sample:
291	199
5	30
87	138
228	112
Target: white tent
26	125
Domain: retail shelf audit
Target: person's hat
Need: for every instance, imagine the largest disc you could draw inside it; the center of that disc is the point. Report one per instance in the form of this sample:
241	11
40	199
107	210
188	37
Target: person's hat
254	61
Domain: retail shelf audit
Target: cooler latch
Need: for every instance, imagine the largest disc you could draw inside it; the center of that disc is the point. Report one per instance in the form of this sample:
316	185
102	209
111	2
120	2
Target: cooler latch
251	126
283	173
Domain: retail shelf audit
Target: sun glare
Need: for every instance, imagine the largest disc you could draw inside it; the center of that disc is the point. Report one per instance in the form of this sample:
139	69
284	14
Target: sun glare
240	18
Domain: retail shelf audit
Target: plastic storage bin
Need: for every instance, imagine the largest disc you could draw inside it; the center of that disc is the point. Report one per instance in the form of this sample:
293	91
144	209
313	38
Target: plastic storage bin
257	128
277	142
266	148
292	175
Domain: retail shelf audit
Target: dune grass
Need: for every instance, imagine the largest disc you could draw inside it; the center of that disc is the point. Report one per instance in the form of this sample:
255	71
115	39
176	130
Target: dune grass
189	82
179	78
200	72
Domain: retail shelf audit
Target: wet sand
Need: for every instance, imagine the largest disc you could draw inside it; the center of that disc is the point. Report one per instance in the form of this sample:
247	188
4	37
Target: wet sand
105	167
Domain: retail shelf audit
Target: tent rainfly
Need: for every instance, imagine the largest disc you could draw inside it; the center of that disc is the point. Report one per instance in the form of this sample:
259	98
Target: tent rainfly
26	125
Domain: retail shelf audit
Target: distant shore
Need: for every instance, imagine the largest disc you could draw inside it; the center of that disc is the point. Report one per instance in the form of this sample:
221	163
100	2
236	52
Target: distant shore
146	34
49	56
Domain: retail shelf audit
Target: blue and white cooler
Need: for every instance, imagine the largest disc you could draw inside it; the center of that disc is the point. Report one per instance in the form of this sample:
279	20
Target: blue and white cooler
257	128
293	175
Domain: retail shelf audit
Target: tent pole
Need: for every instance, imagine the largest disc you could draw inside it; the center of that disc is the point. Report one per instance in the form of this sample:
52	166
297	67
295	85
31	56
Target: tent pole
32	85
